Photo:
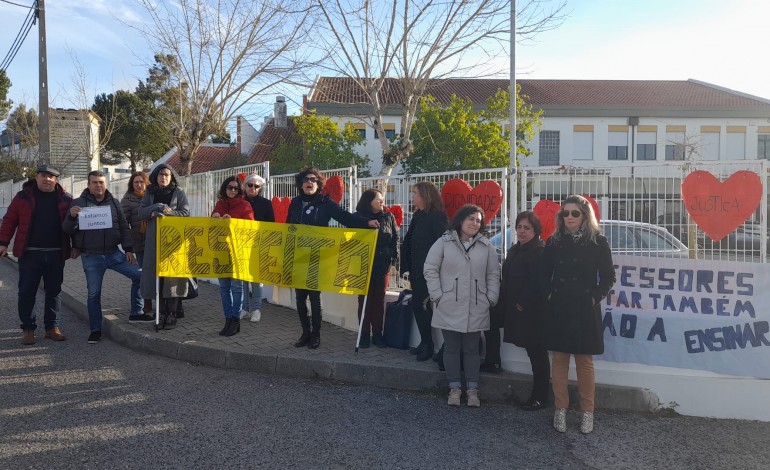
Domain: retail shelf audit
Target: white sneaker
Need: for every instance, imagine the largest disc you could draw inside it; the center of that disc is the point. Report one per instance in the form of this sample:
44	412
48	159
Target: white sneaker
244	314
256	315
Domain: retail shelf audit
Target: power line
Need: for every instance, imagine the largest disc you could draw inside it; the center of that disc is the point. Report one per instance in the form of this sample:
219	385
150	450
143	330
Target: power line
15	4
20	37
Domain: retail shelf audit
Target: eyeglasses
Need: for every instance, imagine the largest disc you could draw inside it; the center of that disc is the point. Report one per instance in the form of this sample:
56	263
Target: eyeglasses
308	179
233	188
574	213
523	227
252	185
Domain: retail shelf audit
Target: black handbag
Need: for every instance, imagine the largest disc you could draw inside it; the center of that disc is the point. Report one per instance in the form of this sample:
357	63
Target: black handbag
192	288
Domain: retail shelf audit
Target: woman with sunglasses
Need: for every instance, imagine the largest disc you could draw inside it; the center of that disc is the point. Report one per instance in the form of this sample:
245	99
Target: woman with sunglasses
579	273
313	207
231	205
254	186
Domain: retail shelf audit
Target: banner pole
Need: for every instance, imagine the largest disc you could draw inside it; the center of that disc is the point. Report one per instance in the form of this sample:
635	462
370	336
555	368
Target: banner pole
361	322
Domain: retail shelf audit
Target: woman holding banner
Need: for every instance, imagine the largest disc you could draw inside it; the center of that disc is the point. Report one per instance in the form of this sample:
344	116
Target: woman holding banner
313	207
579	273
372	206
163	198
132	199
231	205
254	186
428	222
463	277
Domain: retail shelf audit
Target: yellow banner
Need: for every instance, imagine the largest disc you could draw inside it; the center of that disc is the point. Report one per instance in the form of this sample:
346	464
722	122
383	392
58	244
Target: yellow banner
299	256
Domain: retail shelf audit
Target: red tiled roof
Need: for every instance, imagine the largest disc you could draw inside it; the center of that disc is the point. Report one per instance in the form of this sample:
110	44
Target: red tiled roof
270	138
206	159
672	93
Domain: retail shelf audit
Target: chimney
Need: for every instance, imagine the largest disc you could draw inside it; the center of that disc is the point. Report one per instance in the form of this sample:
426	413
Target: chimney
280	112
238	140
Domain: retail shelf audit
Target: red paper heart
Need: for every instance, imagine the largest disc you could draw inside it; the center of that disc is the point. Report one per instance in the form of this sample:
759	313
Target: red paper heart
717	207
335	187
546	211
488	195
398	214
281	208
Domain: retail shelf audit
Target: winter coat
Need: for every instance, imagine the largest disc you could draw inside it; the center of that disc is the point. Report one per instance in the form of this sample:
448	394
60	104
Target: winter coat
18	218
262	208
99	241
463	284
424	229
150	211
319	211
235	207
386	251
577	275
520	285
130	206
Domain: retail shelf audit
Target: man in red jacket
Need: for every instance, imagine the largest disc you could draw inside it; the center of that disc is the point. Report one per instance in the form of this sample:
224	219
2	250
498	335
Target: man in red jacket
35	216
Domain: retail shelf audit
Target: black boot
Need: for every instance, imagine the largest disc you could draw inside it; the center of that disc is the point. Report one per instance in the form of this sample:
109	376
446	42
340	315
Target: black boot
180	310
235	327
315	340
417	350
364	342
227	325
426	353
379	341
170	321
303	340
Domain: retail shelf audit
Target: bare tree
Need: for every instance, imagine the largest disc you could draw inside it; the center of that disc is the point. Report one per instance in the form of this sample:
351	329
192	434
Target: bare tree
226	52
419	41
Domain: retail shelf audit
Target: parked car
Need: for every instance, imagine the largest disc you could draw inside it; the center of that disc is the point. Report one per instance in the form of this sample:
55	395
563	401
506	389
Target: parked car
747	238
630	238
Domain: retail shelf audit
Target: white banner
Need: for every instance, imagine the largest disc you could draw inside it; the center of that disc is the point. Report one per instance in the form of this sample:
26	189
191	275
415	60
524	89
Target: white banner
95	217
690	314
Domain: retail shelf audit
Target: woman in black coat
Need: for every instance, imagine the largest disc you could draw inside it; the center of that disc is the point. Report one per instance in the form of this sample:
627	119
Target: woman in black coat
253	188
578	274
428	223
313	207
522	304
372	206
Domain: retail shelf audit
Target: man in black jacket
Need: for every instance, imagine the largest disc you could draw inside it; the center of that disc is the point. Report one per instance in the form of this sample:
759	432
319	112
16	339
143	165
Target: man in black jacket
97	226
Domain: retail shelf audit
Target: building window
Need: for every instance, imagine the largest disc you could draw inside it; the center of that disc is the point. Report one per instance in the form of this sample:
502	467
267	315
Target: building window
583	143
549	148
390	131
736	144
674	145
617	148
645	145
709	146
763	146
360	127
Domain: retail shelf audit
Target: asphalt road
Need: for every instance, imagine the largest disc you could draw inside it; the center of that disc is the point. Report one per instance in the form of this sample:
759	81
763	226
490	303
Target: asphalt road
74	405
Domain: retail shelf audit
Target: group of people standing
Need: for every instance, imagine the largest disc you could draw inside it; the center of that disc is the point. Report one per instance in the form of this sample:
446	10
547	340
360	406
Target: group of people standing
548	297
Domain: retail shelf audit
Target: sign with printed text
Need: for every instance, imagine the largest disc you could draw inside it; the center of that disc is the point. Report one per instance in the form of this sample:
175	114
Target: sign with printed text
95	218
298	256
690	314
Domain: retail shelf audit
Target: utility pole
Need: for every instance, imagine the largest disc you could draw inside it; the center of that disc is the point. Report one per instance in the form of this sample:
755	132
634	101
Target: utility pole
44	125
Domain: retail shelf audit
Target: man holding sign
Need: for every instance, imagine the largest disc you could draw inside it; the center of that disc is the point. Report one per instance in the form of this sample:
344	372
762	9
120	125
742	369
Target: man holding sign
97	226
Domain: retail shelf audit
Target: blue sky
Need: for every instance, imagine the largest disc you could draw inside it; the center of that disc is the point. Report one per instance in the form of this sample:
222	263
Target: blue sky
714	41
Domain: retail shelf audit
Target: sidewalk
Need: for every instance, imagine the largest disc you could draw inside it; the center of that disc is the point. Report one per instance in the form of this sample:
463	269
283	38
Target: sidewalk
267	347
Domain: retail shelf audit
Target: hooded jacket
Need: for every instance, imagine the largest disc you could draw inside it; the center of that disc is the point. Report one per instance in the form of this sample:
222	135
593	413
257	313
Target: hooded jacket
463	283
99	241
18	218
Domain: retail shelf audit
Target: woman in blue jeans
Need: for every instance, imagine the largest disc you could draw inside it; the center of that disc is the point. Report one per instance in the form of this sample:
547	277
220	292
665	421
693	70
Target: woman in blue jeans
253	187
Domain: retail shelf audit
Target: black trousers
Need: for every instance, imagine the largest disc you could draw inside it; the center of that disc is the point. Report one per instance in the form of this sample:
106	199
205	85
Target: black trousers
541	372
422	316
492	338
315	310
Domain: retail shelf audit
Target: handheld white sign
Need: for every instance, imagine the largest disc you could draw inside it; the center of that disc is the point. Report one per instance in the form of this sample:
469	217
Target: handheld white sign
95	218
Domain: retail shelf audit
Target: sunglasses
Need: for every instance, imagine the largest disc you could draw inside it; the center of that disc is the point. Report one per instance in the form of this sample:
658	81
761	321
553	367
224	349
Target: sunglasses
574	214
252	185
309	180
233	188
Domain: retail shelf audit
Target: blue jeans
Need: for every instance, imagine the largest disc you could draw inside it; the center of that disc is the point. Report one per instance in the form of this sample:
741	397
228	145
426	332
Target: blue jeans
33	266
231	291
253	302
95	266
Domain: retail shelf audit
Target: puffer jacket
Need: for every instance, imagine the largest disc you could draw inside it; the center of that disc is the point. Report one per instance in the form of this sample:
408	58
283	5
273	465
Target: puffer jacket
463	284
18	218
101	241
130	206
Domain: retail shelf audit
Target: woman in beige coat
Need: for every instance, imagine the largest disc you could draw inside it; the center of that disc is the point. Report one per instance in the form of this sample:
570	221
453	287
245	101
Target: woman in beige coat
463	277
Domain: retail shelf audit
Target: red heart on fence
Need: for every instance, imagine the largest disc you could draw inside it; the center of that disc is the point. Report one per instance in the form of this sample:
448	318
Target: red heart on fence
281	208
398	214
335	187
546	211
488	195
719	207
